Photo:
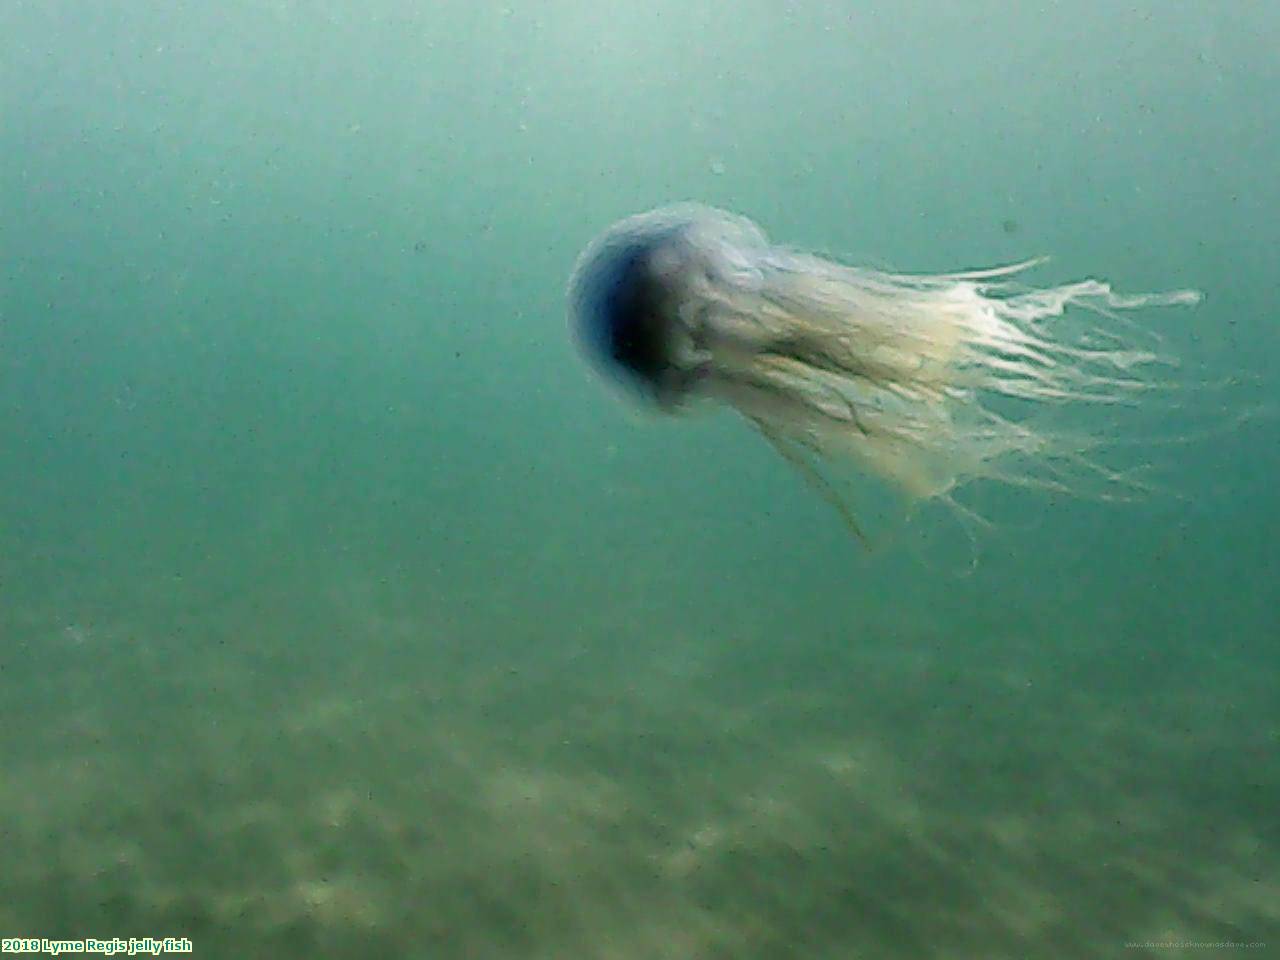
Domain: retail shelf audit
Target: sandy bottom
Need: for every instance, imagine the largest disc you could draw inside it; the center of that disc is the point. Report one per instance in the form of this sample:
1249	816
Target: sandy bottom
380	787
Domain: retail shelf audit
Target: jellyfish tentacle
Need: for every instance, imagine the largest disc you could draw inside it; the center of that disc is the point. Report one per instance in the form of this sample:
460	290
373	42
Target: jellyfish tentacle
820	484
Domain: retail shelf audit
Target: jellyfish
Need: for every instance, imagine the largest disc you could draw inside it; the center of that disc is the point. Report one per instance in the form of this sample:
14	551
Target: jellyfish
926	381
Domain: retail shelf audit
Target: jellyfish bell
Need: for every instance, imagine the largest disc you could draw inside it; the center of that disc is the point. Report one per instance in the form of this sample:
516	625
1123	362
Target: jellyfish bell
629	304
910	376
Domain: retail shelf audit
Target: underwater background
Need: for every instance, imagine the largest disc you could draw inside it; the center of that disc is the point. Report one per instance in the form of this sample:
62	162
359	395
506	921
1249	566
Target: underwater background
345	613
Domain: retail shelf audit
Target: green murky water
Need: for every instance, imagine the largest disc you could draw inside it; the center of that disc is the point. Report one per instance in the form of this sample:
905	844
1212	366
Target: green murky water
343	613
